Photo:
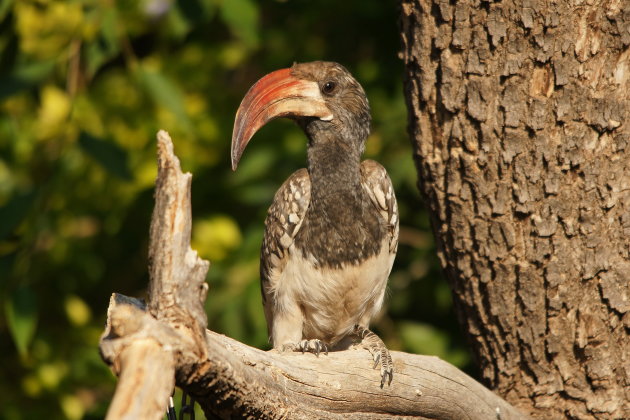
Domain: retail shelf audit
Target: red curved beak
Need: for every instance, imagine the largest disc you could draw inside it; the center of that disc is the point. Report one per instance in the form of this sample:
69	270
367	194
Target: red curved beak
278	94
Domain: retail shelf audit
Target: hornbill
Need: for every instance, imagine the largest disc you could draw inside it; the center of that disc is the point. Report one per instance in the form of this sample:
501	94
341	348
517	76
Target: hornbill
331	233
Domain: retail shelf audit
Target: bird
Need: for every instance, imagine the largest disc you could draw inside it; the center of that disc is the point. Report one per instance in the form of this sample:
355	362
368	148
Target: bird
331	232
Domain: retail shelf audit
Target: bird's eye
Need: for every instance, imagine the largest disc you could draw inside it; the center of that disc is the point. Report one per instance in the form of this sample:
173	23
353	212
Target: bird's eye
329	87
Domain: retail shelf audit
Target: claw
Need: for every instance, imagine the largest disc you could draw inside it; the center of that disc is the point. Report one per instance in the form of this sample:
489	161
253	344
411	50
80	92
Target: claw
314	346
385	373
376	357
379	352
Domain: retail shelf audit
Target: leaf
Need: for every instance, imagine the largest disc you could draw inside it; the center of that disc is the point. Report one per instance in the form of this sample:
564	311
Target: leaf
77	311
164	93
21	312
106	45
178	25
14	212
111	156
242	18
25	76
216	236
5	6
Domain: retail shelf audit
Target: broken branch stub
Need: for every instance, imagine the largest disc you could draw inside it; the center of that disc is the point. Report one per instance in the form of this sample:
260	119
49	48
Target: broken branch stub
177	287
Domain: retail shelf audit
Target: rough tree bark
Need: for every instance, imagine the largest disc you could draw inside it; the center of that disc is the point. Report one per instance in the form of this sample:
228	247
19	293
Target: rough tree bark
151	347
520	120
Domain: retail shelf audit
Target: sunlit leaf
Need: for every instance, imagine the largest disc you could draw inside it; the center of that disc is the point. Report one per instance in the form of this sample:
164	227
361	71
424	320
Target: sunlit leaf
46	28
21	312
14	212
51	374
31	386
242	18
72	407
111	156
214	237
53	112
77	311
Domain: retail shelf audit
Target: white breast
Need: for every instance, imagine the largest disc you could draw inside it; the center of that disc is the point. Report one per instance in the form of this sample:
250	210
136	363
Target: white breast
332	300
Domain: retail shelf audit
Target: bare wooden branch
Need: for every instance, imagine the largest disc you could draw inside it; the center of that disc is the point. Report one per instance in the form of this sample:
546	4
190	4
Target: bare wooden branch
341	385
151	347
139	361
136	346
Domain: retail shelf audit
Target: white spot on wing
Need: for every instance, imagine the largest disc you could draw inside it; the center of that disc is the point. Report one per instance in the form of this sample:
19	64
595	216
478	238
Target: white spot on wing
285	240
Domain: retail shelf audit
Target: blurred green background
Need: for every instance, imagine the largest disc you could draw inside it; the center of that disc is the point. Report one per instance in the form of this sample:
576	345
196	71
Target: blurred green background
84	87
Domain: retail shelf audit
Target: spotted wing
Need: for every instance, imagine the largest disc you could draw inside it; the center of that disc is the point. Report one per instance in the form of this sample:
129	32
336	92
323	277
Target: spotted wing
283	222
379	188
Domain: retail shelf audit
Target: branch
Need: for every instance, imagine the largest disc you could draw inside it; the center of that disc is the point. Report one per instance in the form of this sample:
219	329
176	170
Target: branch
152	347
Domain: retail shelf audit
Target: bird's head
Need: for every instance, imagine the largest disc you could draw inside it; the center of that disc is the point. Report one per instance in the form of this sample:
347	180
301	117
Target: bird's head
320	96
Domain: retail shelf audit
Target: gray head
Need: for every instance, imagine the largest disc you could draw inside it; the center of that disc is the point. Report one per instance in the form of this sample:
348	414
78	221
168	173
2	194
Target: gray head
321	96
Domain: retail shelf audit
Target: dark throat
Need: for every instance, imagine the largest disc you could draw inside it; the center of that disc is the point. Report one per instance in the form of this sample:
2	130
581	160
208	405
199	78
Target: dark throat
341	225
334	167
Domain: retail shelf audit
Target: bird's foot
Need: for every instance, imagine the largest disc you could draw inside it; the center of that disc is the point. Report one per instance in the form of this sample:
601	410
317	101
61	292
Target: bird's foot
380	354
314	346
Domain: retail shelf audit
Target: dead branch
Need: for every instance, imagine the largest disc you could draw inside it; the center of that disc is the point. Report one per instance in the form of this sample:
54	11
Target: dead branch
151	348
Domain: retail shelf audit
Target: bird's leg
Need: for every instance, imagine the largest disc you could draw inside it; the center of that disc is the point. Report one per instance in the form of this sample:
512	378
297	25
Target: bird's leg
287	331
375	345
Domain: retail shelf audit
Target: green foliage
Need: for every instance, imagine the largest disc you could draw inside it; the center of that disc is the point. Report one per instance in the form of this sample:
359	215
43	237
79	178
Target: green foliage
111	156
84	87
21	311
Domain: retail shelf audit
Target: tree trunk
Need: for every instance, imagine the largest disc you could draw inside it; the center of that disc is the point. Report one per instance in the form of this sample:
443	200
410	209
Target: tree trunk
519	118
